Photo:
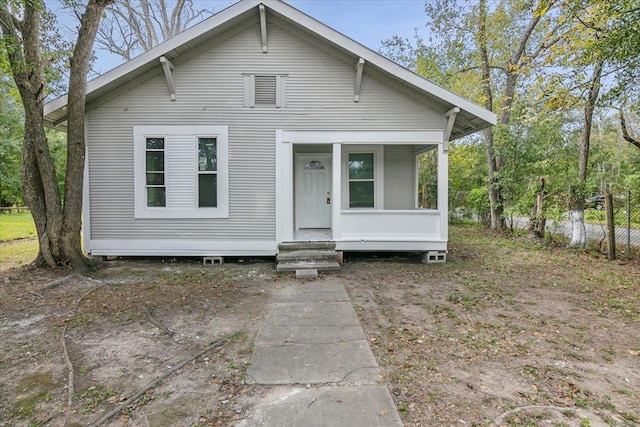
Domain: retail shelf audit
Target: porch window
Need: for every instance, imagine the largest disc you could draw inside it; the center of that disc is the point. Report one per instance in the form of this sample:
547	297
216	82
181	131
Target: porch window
361	180
154	171
207	173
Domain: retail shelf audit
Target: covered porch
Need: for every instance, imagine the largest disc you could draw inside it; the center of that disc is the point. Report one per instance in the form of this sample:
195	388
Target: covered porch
363	190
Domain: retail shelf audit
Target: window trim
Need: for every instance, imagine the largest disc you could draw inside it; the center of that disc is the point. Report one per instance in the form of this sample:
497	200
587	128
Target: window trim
172	135
378	174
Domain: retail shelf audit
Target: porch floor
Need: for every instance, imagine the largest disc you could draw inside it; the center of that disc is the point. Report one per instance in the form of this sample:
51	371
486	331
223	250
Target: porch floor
312	234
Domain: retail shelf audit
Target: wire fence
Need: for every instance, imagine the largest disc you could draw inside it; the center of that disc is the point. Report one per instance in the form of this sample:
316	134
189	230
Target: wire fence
16	223
626	209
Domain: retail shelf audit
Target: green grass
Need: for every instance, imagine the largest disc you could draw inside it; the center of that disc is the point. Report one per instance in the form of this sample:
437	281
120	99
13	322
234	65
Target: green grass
595	216
16	226
18	252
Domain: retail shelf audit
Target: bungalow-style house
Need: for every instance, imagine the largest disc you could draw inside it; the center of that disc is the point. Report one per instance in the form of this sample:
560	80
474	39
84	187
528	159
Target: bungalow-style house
259	127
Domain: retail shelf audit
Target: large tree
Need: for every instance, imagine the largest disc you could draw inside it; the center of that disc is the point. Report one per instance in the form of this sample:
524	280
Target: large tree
131	27
486	51
57	218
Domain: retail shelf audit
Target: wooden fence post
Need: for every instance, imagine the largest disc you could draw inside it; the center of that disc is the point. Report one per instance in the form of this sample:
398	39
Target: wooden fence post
611	225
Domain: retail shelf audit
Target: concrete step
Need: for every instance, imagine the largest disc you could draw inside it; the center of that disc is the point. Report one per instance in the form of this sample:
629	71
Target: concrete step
308	255
303	265
301	246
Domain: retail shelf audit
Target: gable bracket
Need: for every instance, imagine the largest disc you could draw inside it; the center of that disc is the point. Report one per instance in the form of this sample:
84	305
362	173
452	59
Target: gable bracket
168	68
451	119
356	90
263	27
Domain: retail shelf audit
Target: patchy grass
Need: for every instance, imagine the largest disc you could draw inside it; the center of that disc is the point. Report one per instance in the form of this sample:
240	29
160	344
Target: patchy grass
16	226
509	332
17	253
509	329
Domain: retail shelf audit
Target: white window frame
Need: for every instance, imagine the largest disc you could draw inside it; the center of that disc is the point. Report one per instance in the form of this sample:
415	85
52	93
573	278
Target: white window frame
378	174
140	133
250	90
199	172
164	171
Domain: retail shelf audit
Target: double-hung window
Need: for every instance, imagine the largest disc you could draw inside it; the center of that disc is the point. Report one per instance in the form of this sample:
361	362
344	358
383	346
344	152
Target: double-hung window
361	180
207	173
181	171
362	176
154	172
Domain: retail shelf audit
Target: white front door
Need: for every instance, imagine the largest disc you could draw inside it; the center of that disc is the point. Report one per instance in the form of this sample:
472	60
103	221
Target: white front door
313	190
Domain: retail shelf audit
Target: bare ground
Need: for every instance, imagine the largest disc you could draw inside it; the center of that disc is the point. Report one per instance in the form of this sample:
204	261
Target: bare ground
508	332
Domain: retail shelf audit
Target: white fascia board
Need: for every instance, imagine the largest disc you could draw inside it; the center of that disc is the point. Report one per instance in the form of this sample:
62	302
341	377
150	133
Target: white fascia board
380	61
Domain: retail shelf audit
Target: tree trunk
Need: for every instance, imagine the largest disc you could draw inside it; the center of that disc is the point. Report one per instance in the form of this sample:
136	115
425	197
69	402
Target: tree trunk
493	162
58	227
576	199
76	133
538	220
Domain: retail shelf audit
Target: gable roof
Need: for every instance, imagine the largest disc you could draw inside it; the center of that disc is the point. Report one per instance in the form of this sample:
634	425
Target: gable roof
470	119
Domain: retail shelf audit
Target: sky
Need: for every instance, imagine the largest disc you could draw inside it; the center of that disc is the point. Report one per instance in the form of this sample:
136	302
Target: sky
368	22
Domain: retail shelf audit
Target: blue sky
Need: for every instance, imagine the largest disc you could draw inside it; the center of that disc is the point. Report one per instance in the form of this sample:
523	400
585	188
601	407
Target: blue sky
365	21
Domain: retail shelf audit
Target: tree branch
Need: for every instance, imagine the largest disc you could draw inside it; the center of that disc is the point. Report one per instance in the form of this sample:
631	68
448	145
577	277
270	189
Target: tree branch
625	133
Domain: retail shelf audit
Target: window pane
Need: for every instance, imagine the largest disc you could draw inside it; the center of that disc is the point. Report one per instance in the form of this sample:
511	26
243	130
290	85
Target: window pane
155	178
207	155
208	190
361	166
314	165
155	143
155	161
361	194
156	197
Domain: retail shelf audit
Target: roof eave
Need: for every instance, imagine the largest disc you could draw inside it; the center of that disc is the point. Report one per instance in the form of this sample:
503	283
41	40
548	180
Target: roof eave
145	61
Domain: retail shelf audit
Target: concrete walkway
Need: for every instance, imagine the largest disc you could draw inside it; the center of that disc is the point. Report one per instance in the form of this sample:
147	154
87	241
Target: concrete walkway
314	353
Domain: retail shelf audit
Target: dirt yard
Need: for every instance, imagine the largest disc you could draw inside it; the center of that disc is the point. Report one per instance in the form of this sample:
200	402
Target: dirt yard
508	332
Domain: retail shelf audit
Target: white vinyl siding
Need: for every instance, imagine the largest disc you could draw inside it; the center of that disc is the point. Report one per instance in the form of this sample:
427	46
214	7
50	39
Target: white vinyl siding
182	171
399	177
210	89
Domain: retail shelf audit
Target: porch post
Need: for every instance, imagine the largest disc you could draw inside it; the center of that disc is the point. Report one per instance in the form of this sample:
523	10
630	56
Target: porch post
284	171
336	192
443	192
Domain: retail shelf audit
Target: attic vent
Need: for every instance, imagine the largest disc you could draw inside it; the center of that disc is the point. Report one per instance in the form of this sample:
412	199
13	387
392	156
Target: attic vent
265	90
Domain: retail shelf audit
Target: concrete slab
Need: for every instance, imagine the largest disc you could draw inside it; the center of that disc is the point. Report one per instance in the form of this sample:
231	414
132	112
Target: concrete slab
283	335
311	335
364	406
328	285
351	362
311	314
312	297
307	274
